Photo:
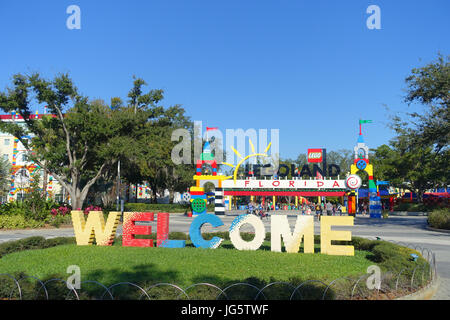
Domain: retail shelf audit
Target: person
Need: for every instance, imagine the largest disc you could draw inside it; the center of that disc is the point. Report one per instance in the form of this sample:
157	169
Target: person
250	207
308	210
318	211
329	208
334	209
339	209
263	214
364	209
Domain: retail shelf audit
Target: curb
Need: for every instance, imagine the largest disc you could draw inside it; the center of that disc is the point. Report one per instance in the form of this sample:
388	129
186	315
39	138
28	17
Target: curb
437	230
408	214
424	294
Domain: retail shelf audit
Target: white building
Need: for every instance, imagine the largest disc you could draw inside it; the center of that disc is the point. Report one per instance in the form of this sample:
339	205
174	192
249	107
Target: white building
22	170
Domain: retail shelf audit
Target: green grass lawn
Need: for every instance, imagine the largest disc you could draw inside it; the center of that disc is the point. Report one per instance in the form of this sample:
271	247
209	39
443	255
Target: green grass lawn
182	267
224	266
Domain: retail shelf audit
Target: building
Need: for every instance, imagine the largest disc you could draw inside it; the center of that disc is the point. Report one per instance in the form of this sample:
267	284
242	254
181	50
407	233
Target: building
22	169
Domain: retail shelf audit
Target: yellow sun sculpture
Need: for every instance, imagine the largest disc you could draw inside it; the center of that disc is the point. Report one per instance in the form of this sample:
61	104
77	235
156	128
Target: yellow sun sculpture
254	154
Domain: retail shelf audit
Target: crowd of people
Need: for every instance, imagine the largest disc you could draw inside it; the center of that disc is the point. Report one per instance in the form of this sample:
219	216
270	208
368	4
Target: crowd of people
317	209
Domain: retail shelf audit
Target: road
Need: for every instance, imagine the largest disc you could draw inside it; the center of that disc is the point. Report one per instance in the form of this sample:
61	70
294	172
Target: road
410	230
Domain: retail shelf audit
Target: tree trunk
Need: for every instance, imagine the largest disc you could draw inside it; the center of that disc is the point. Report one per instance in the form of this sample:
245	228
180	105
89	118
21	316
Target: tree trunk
44	184
420	196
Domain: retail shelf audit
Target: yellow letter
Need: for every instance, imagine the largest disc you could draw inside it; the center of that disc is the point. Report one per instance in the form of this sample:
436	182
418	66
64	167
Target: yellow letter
326	236
94	227
304	227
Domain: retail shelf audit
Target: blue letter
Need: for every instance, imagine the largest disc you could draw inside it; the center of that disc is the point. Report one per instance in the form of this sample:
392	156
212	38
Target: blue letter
196	234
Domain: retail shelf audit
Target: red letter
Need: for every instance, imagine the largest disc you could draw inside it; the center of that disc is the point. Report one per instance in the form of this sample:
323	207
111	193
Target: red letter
260	185
130	229
291	183
277	182
162	228
246	183
335	184
319	184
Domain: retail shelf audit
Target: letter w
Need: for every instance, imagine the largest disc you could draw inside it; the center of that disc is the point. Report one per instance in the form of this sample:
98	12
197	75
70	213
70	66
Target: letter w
94	227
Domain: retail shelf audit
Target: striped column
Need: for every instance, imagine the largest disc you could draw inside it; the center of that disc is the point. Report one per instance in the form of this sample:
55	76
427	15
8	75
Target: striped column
374	200
219	206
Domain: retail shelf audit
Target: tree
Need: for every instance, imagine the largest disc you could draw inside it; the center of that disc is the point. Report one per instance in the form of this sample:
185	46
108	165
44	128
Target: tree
416	169
343	158
430	85
150	159
419	157
78	141
5	177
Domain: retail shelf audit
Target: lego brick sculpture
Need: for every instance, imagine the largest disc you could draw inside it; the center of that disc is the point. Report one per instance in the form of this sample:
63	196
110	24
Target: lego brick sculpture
280	229
219	206
162	233
198	200
362	163
94	227
196	234
130	229
327	235
235	234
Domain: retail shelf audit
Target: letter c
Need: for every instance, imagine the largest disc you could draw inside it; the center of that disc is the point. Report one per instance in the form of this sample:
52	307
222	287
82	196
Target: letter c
196	235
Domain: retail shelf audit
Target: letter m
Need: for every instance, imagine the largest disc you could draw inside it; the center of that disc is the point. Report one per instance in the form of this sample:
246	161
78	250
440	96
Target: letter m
304	228
94	228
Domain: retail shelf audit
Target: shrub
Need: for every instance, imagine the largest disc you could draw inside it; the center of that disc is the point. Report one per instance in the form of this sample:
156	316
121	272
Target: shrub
439	218
415	207
22	244
18	222
13	208
91	208
33	243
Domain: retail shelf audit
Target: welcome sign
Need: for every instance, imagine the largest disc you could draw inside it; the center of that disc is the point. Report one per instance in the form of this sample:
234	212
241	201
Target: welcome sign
285	184
94	228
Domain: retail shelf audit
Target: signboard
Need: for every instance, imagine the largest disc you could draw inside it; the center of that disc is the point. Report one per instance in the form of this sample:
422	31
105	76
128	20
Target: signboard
315	155
95	228
284	184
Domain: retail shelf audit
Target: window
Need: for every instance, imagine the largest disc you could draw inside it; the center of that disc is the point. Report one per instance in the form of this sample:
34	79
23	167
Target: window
5	157
6	142
24	158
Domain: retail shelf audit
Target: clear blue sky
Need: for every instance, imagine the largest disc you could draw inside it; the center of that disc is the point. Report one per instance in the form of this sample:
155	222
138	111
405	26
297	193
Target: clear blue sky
308	68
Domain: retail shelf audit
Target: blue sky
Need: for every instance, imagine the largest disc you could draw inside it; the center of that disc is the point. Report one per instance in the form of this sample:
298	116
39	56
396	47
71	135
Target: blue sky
308	68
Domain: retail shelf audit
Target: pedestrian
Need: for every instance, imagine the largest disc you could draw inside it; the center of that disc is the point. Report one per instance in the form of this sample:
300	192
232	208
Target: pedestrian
318	211
329	208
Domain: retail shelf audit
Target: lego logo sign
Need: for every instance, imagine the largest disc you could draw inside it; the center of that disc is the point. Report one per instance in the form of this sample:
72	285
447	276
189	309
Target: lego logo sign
315	155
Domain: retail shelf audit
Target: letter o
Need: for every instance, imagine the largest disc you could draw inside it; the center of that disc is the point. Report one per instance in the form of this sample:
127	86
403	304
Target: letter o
235	234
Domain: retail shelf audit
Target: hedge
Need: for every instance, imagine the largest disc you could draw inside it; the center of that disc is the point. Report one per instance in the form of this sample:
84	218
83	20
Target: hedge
33	243
439	218
19	222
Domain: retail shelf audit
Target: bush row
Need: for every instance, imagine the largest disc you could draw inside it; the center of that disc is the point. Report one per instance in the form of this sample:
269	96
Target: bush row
415	207
33	243
18	222
439	218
